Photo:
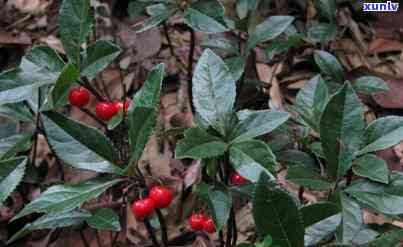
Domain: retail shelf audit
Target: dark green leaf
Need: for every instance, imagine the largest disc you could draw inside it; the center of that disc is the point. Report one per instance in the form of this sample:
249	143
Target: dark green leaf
79	145
11	146
316	148
322	32
199	144
382	133
321	230
52	221
329	65
389	239
257	123
386	199
326	8
104	219
98	56
221	43
370	85
75	23
314	213
116	120
158	14
251	158
213	90
276	213
16	112
293	157
269	29
236	66
64	198
11	173
304	176
372	167
341	129
67	77
206	16
149	94
277	47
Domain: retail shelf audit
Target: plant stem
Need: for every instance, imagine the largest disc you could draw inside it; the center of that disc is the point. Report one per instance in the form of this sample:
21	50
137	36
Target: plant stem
92	115
85	83
83	239
301	194
164	232
36	128
190	68
349	177
151	232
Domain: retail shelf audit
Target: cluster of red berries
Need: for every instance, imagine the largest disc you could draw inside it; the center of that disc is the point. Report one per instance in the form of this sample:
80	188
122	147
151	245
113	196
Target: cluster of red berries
159	197
104	110
198	222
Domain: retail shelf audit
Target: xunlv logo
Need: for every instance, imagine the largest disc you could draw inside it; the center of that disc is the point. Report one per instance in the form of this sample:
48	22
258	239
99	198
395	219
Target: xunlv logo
388	6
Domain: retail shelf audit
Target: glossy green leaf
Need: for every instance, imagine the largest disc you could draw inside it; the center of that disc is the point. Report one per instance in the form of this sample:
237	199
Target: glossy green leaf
326	8
40	66
304	176
291	157
276	213
269	29
341	129
256	123
372	167
322	230
75	24
52	221
11	173
242	8
311	101
98	56
314	213
206	16
280	46
16	112
143	113
382	133
386	199
370	85
64	198
116	120
198	144
67	77
221	43
158	14
251	158
213	90
104	219
329	65
79	145
237	66
389	239
11	146
322	32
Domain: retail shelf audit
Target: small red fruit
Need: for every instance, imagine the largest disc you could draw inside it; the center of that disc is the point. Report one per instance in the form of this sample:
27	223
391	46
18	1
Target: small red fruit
143	208
196	221
161	196
79	96
209	226
237	179
105	111
120	105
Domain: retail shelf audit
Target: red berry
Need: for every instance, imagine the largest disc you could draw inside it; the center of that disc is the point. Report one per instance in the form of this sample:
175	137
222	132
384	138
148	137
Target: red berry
209	226
79	96
237	179
120	105
196	221
143	208
161	196
105	111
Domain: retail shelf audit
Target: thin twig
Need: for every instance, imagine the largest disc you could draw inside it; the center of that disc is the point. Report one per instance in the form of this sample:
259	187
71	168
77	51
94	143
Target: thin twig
301	191
164	232
93	116
36	128
85	83
151	232
83	239
190	67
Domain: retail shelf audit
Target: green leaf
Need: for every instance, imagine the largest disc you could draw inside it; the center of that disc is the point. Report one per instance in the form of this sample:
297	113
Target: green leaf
329	65
291	157
370	85
304	176
64	198
198	144
206	16
314	213
276	213
98	56
372	167
251	158
278	47
52	221
116	120
237	66
158	14
341	129
257	123
58	95
39	67
16	112
11	173
221	43
11	146
389	239
382	133
104	219
326	8
269	29
311	101
79	145
322	230
213	90
322	32
386	199
219	201
143	113
75	24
